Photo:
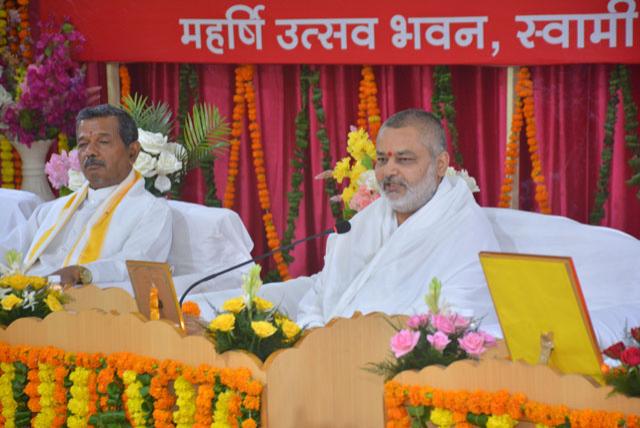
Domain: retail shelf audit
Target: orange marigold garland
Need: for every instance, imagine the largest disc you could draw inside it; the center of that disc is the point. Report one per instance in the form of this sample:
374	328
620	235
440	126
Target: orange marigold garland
524	106
478	406
368	111
125	82
245	93
24	32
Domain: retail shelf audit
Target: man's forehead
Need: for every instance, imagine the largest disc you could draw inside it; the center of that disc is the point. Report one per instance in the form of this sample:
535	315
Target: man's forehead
97	127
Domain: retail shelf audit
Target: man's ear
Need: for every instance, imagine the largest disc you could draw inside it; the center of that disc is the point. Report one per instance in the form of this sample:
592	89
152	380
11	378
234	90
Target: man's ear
442	163
134	149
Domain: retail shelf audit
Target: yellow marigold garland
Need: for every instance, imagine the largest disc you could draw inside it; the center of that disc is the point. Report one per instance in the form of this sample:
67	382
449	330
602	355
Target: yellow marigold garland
7	168
3	29
78	405
9	404
524	106
63	142
504	409
46	389
134	399
184	417
125	82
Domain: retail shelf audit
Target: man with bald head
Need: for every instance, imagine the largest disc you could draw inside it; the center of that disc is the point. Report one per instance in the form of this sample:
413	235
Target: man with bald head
425	225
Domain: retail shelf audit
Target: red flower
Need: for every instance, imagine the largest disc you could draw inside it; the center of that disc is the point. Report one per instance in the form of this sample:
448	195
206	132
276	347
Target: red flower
614	351
635	333
631	357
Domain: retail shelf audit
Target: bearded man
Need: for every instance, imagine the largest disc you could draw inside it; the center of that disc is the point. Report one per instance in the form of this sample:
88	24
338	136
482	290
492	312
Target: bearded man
425	225
87	236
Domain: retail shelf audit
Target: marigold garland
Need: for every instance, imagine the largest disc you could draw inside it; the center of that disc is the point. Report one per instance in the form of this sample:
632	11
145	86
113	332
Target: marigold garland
7	168
94	375
125	82
524	106
24	32
368	110
245	93
406	403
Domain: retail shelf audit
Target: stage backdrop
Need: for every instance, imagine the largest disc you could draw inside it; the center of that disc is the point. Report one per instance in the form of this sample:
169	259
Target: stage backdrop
570	110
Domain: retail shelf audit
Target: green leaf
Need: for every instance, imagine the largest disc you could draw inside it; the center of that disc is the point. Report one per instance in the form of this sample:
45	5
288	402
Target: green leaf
205	133
149	116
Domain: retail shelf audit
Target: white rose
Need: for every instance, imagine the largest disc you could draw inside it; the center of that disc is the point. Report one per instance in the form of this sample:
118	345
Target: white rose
152	142
5	97
177	150
76	179
167	163
162	183
368	179
145	164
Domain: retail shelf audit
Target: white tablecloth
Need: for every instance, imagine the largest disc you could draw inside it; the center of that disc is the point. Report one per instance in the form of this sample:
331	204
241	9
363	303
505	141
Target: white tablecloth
15	207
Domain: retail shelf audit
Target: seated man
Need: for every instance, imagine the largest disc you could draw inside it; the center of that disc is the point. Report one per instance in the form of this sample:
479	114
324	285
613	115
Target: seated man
87	236
425	225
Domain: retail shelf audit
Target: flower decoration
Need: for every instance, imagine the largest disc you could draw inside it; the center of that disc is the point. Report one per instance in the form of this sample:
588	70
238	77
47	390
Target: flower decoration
251	323
26	296
625	378
440	336
159	161
52	89
63	172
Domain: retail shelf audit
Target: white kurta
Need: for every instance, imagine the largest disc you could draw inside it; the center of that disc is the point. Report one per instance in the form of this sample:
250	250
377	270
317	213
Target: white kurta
139	230
379	266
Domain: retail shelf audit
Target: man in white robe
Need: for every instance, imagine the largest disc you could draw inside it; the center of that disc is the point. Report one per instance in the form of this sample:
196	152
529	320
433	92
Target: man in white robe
87	236
425	225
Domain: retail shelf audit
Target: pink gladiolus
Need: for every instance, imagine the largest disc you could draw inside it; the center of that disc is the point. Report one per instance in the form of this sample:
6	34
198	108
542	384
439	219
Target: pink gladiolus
417	321
443	323
472	343
438	340
404	341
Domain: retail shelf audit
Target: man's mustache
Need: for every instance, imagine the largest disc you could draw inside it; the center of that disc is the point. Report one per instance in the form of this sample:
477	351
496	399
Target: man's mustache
393	180
93	161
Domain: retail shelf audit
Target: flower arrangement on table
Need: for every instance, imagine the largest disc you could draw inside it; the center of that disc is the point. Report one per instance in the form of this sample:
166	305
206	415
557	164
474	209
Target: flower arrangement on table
41	101
162	163
625	378
362	188
440	337
26	296
251	323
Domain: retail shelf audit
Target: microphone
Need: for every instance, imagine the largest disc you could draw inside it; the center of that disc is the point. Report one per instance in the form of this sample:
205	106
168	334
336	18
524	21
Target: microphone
342	226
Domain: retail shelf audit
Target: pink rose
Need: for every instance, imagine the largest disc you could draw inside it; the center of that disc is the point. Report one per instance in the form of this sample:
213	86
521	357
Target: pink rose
362	198
443	323
438	340
56	170
417	321
404	341
472	343
460	322
489	340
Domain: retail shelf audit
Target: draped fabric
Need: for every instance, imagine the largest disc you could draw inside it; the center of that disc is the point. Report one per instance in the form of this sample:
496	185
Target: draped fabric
570	110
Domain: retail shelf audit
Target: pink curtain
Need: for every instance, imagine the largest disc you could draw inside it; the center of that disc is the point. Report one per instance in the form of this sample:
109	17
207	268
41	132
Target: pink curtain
570	107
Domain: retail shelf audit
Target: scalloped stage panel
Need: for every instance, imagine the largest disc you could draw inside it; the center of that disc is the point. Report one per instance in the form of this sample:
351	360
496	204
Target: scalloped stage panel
114	300
97	331
539	383
321	383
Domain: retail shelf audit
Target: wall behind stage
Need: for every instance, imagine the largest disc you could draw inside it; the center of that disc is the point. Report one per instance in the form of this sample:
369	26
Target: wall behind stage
570	110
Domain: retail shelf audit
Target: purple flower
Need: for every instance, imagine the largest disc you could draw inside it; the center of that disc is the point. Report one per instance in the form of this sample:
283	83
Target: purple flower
404	341
417	321
443	323
438	340
472	343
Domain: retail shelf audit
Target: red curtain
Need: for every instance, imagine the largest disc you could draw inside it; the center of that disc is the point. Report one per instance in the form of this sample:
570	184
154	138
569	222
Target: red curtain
570	111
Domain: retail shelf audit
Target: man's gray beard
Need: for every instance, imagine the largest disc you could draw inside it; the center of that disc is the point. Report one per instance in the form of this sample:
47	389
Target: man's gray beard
415	197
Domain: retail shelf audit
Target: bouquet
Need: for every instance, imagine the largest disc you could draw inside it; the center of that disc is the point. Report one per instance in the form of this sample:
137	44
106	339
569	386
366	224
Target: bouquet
437	337
63	172
251	323
625	378
26	296
49	93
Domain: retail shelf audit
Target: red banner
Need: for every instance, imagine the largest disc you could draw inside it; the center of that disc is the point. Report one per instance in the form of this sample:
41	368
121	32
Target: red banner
355	32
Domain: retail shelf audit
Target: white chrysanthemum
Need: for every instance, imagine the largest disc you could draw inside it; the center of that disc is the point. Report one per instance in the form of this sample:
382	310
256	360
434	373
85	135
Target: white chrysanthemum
76	179
145	164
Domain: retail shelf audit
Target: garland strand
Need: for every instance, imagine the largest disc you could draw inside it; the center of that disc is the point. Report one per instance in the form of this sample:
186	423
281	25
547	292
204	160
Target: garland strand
330	187
630	127
125	82
7	167
368	111
234	144
512	156
24	31
294	196
602	192
443	107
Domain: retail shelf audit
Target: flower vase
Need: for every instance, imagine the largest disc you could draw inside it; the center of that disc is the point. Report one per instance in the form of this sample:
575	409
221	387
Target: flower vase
33	158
